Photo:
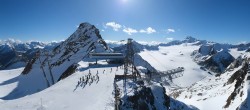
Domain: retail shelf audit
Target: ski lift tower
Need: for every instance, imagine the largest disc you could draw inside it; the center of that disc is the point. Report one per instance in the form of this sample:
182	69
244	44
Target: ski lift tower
128	62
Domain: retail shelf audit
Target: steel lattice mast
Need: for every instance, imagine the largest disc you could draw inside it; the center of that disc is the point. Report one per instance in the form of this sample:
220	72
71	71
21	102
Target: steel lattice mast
128	62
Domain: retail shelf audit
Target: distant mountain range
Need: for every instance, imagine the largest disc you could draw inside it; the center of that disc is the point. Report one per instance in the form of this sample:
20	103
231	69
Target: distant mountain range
15	53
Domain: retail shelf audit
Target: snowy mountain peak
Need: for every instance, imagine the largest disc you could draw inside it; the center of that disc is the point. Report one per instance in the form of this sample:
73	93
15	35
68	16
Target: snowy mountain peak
48	67
84	30
85	24
190	39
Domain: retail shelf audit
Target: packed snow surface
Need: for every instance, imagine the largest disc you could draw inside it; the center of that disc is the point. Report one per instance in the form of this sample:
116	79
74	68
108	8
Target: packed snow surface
66	94
8	81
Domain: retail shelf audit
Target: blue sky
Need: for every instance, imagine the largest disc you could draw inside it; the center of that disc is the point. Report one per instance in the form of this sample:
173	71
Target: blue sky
225	21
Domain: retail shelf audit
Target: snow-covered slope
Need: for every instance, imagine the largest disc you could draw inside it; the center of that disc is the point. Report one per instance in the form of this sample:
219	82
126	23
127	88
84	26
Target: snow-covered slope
68	95
8	81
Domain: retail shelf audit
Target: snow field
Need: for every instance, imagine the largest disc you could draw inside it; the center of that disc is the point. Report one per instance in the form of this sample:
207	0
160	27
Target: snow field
64	94
172	57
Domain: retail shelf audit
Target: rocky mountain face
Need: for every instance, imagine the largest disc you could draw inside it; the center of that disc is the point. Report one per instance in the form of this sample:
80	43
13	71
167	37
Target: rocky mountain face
48	67
16	53
214	56
239	78
229	89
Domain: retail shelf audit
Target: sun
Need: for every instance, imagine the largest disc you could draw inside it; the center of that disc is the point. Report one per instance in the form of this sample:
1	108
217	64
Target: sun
124	1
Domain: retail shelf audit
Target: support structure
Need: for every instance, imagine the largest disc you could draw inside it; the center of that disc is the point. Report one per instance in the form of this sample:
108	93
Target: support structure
128	63
117	95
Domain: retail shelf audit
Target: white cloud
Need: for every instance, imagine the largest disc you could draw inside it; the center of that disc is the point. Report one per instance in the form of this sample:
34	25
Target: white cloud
170	38
149	30
113	25
103	30
170	30
129	31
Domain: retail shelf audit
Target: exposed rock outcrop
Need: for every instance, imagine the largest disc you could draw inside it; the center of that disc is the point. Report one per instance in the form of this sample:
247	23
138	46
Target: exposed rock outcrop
214	57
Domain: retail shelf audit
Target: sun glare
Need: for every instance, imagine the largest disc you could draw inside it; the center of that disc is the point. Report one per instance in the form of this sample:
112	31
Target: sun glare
124	1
